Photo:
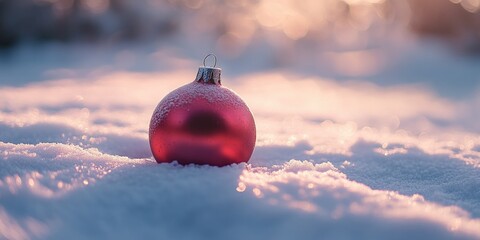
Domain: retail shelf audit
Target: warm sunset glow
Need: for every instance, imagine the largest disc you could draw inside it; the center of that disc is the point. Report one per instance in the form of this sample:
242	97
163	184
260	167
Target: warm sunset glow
322	119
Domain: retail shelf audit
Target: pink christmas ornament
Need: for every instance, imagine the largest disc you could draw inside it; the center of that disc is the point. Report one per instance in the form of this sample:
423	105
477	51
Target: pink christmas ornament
202	123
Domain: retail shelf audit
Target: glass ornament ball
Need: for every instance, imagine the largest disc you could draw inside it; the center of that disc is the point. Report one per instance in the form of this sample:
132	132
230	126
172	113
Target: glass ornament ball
202	123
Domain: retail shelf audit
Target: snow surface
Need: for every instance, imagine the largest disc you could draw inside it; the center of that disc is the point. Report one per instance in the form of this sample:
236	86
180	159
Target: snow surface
333	160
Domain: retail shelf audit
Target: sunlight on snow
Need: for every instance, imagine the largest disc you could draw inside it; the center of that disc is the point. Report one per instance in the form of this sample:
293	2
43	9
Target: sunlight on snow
329	116
92	128
322	189
56	183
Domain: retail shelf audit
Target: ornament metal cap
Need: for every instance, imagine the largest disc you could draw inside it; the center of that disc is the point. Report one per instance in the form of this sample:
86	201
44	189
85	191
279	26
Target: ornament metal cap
210	75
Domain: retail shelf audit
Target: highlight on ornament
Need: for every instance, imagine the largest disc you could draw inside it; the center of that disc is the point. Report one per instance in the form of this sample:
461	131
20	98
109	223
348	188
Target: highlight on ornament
202	122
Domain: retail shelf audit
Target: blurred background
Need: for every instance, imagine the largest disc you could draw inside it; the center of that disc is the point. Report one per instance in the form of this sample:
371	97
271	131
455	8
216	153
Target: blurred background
435	43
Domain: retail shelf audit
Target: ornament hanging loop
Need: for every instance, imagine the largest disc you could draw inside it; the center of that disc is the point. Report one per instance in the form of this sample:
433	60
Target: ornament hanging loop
214	60
209	75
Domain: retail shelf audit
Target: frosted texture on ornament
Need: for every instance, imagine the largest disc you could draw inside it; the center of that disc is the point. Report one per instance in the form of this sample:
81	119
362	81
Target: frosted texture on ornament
184	95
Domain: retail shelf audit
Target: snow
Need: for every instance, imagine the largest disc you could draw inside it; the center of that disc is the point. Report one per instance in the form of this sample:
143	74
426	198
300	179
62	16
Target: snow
335	159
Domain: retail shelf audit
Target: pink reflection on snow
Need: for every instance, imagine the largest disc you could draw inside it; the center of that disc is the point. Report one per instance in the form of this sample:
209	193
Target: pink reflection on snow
20	230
